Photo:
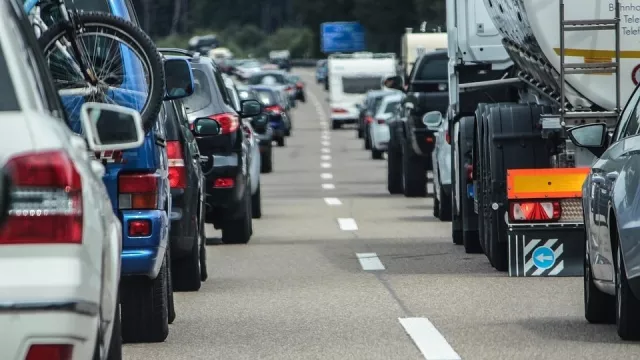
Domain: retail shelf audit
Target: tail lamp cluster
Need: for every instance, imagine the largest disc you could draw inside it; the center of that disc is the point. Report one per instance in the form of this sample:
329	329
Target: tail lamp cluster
534	211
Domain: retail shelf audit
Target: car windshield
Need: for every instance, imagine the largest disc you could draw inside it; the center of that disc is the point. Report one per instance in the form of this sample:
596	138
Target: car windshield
201	97
250	64
260	78
8	98
266	97
433	69
360	84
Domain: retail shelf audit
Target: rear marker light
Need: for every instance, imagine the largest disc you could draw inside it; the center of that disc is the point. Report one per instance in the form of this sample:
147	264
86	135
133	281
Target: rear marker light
381	121
276	109
223	183
368	119
429	139
338	110
177	170
535	211
47	200
50	352
138	191
139	228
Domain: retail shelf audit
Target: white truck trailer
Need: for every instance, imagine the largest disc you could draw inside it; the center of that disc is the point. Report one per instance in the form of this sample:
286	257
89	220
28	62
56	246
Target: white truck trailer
520	74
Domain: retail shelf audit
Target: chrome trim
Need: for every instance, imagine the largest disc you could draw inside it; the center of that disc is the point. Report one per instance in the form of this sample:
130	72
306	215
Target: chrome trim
77	307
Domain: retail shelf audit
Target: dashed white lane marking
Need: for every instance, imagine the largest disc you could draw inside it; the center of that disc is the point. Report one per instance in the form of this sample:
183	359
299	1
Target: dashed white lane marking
325	143
370	261
328	186
326	150
428	339
333	201
325	165
326	176
347	224
325	157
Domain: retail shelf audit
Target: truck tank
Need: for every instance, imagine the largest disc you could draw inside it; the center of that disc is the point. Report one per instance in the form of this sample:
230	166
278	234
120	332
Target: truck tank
531	35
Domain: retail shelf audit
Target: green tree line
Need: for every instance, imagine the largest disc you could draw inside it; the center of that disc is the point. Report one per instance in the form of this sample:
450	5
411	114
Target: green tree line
253	27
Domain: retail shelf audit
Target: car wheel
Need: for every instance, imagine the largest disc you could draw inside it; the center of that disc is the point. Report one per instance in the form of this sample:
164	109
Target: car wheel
186	272
266	162
335	125
436	206
367	140
280	141
394	170
444	206
238	231
627	305
376	154
256	204
360	132
115	346
171	306
599	308
144	307
414	173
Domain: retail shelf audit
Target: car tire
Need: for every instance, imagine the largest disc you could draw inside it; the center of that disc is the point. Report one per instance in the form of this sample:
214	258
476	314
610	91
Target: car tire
436	206
444	207
238	231
414	174
115	346
394	170
599	307
266	161
256	204
171	306
335	125
186	274
360	133
287	132
627	304
144	307
280	142
376	154
367	140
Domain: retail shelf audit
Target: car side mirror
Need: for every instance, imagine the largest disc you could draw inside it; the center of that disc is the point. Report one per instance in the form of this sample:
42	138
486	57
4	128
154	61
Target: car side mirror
394	82
178	79
592	137
432	120
250	108
6	185
111	127
206	126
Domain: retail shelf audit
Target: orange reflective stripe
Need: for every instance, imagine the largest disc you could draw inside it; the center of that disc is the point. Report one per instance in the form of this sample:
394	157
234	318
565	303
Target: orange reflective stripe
553	183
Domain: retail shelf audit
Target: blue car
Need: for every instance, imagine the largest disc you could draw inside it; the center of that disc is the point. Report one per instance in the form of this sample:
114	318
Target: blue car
138	185
275	110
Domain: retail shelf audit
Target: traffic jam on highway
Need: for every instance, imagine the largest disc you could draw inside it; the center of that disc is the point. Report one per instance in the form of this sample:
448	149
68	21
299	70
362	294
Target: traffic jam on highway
476	197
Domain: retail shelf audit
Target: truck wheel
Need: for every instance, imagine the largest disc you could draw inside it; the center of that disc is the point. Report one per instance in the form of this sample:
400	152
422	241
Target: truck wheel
469	219
266	162
414	174
599	308
186	271
256	204
394	169
144	307
238	231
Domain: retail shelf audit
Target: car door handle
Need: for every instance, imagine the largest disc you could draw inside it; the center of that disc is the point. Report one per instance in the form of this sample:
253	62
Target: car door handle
612	176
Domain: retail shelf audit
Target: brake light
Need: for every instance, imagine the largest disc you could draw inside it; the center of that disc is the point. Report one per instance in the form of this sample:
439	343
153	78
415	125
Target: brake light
338	110
381	121
177	170
276	109
47	200
469	169
139	228
289	88
223	183
428	139
534	211
138	191
50	352
368	119
447	137
300	85
228	122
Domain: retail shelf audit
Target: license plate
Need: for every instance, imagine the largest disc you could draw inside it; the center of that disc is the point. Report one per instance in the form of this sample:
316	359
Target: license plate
470	190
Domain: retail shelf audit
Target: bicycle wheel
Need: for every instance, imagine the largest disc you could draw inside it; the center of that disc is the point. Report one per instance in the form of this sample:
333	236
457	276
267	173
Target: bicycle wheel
123	59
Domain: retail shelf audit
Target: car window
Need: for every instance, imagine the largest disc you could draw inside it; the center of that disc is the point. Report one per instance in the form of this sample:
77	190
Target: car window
432	69
629	122
234	98
7	93
391	107
258	78
375	104
222	88
201	97
266	97
360	84
172	121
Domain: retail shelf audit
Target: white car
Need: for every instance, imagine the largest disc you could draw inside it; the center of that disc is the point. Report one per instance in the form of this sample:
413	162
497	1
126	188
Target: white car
60	244
379	129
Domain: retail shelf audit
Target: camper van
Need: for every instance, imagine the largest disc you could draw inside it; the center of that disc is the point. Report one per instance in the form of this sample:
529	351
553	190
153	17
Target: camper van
350	77
416	44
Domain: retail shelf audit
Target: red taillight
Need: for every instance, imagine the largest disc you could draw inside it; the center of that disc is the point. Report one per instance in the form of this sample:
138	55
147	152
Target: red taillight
299	85
50	352
47	200
429	139
138	191
469	169
368	119
139	228
338	111
276	109
228	122
177	170
381	121
534	211
447	137
224	183
289	88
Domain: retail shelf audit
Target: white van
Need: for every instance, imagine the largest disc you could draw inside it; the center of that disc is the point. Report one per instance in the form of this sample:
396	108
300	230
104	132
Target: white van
350	77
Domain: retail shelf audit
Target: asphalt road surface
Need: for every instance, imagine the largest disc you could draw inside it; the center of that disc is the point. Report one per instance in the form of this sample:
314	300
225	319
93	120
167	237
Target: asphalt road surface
339	269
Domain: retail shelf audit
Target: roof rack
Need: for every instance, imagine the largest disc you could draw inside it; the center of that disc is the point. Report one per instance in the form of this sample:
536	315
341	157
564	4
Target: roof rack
363	55
192	54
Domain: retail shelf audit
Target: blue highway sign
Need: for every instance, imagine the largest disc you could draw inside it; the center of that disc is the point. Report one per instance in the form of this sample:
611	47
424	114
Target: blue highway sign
342	37
543	257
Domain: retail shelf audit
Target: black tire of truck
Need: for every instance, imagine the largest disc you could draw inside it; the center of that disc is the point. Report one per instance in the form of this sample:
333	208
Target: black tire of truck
133	36
470	238
414	173
520	152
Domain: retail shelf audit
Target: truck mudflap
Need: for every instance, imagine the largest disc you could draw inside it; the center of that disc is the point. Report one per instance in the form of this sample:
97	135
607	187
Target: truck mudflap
547	248
543	250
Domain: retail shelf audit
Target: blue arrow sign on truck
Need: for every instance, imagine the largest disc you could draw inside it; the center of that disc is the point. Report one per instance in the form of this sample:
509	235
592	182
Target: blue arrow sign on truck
342	37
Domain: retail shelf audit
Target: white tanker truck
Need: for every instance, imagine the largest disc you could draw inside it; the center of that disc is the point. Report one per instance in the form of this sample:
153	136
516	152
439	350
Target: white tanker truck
520	74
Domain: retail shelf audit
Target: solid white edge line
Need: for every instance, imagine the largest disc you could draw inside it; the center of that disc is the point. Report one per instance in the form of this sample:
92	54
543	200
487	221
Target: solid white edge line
328	186
370	261
325	143
428	339
347	224
333	201
325	165
326	150
326	176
